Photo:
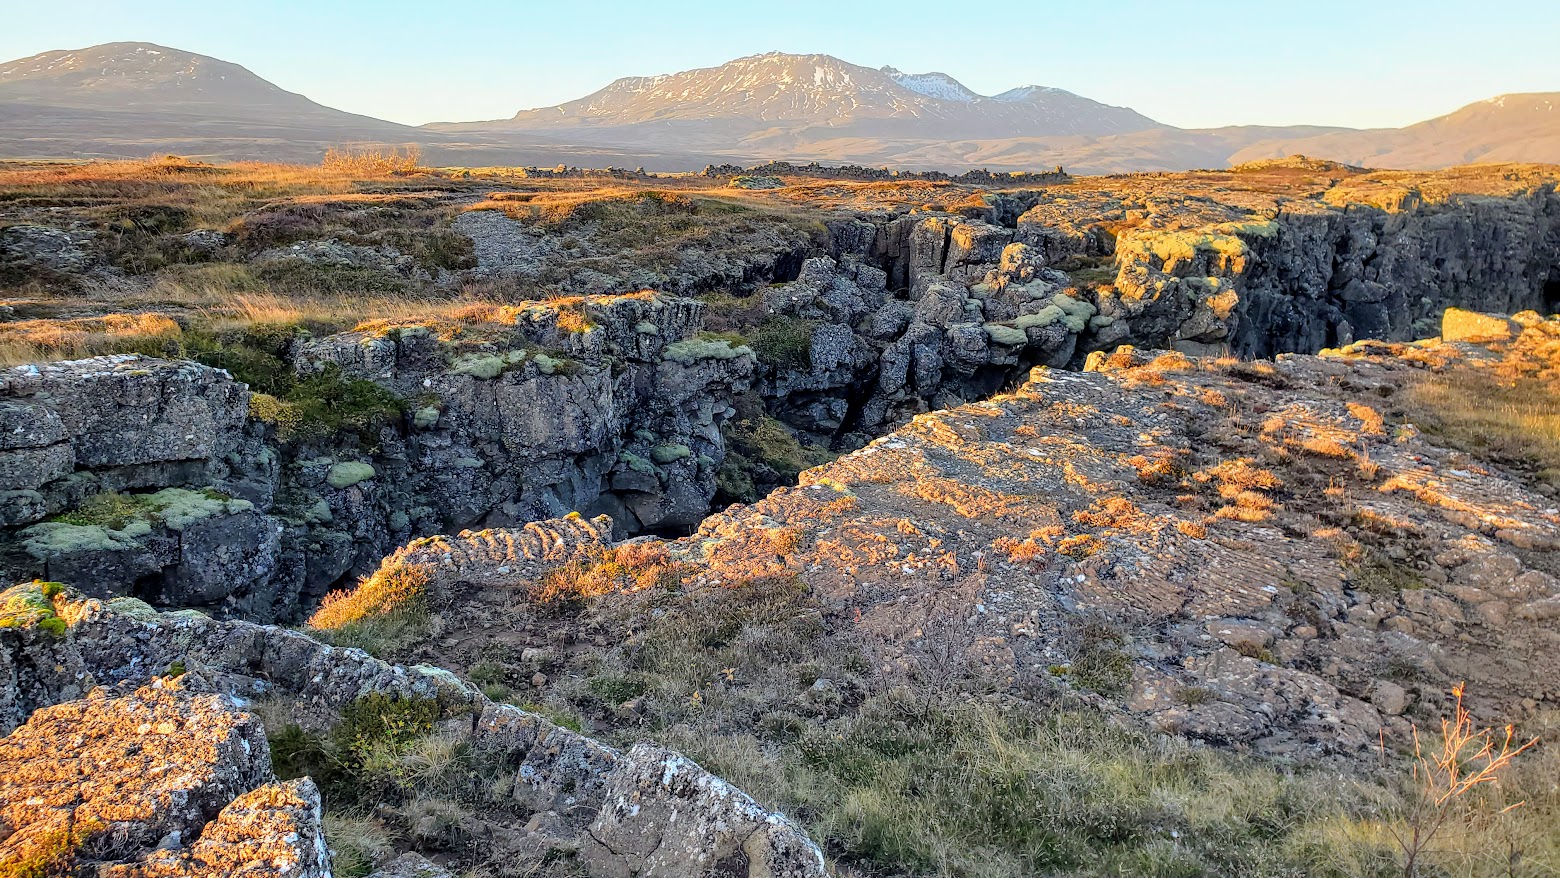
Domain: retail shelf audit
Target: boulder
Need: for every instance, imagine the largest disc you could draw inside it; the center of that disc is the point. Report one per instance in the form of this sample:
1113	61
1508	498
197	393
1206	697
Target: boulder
103	780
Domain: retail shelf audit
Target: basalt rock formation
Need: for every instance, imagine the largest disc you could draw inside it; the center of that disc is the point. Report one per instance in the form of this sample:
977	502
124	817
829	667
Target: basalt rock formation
1270	557
948	307
178	760
507	422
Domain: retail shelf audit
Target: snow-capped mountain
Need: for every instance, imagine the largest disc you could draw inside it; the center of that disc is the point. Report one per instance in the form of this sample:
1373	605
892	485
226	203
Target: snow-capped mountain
777	93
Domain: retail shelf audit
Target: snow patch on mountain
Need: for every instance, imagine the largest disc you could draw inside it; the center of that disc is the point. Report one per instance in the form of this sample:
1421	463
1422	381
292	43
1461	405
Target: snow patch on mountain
933	85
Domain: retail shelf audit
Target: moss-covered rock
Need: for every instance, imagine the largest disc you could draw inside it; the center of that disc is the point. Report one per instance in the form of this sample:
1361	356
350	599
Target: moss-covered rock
178	508
670	453
349	473
690	351
1005	335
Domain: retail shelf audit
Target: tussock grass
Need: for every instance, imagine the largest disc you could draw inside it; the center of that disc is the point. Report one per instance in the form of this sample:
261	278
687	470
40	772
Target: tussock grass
1511	419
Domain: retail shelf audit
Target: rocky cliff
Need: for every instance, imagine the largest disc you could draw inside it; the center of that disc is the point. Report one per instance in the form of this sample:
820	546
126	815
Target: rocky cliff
917	311
135	476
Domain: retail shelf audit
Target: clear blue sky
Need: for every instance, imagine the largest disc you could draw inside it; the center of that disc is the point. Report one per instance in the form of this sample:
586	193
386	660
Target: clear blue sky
1359	63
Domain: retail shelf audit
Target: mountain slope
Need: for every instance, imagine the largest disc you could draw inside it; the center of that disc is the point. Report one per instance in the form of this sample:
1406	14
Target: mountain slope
134	99
1508	128
129	100
146	82
797	99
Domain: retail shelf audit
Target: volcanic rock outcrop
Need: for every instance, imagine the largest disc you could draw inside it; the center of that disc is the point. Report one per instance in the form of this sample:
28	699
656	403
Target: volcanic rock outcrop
168	764
515	420
951	307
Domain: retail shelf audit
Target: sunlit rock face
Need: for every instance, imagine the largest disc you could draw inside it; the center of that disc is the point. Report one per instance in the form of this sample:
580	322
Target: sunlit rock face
161	781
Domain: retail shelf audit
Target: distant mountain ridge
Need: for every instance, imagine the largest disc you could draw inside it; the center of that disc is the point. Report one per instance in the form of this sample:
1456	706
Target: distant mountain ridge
756	94
133	99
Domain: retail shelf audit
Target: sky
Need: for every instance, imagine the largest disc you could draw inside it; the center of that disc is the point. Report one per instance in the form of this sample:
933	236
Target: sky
1190	64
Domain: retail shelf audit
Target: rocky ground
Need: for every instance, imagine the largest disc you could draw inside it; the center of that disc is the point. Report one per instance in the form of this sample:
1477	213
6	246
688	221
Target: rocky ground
1067	498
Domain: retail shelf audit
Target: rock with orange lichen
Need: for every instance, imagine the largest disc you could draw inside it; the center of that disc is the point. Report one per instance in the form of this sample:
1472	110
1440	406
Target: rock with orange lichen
270	832
160	782
126	782
1277	539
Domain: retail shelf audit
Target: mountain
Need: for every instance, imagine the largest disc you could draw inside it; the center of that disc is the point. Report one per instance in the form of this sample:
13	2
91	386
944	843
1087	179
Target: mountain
1508	128
135	99
130	100
774	104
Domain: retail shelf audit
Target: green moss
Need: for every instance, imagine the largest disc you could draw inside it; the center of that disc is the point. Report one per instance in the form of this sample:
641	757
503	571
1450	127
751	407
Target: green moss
349	473
24	605
1005	335
1044	317
178	508
636	463
761	454
692	350
326	403
486	367
51	538
785	342
670	453
108	510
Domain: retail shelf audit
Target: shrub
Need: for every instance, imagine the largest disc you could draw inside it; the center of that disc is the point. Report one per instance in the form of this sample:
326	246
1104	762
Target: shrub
372	161
327	402
1100	662
784	342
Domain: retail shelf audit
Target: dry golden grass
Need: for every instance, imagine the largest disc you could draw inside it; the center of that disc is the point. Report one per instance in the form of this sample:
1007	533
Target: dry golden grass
1514	420
1234	476
37	341
394	590
215	195
631	567
373	161
1112	512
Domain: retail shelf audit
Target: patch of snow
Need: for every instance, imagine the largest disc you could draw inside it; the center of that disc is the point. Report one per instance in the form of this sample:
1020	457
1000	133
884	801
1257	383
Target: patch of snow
933	85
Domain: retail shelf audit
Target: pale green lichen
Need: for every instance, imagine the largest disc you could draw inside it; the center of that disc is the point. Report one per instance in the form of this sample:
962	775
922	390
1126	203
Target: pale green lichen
636	463
135	608
399	520
645	327
690	351
487	366
1005	335
425	417
348	473
548	365
52	538
319	513
1044	317
178	508
1224	239
670	453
